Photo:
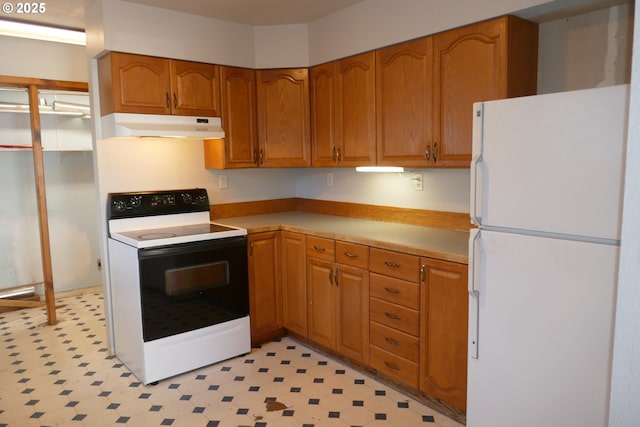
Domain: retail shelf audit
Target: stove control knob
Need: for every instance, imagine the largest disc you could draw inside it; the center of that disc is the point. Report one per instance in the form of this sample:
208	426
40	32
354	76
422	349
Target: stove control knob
187	198
135	201
202	200
119	205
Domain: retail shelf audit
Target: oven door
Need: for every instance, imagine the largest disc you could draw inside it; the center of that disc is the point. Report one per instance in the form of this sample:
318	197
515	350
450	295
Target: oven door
188	286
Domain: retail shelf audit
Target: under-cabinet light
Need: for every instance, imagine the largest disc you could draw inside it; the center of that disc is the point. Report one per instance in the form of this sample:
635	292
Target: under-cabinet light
379	169
40	32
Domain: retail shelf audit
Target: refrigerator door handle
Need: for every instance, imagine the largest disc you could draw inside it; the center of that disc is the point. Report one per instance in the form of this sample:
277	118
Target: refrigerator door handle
478	113
474	293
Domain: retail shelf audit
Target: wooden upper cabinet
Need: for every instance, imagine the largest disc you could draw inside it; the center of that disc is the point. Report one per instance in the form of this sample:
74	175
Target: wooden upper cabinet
343	112
403	102
239	148
490	60
283	117
132	83
195	88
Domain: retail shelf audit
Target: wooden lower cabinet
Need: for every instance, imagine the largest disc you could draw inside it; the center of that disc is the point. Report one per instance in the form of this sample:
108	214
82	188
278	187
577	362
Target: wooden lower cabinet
294	282
338	301
443	331
265	294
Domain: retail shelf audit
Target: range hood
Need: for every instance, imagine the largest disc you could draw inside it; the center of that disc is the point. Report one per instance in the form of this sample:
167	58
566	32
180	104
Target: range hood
163	126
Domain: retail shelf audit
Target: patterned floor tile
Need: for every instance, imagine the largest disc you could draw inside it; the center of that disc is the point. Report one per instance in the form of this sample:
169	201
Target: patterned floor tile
63	375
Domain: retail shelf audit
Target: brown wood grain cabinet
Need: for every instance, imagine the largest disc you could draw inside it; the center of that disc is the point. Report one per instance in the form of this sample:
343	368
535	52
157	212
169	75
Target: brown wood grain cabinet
283	118
294	282
343	131
425	88
265	285
489	60
404	94
443	331
395	314
132	83
338	306
239	148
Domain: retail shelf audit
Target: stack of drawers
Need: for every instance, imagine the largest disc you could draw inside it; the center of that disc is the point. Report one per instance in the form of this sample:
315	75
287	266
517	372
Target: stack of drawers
395	314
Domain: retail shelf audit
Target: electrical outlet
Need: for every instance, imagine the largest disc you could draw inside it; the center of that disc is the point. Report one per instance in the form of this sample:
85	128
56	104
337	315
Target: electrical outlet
329	179
222	182
417	182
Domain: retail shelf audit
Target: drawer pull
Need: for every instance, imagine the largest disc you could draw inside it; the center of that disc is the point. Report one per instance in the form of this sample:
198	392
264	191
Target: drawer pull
319	249
391	366
392	264
351	255
391	341
392	291
392	316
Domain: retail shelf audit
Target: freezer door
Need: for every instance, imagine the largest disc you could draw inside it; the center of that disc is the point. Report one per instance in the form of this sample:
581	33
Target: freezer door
545	310
551	163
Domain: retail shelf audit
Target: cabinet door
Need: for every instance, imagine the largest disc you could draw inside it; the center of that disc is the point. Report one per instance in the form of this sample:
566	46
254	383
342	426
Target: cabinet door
490	60
264	286
195	88
238	87
352	297
283	118
443	331
323	114
321	299
356	126
403	103
294	282
134	84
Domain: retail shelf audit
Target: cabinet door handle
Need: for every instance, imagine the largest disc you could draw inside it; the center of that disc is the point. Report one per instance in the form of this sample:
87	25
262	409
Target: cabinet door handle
319	249
391	366
392	291
427	154
334	155
435	152
351	255
255	156
392	316
335	276
167	100
391	341
392	264
339	155
251	249
422	268
175	101
261	157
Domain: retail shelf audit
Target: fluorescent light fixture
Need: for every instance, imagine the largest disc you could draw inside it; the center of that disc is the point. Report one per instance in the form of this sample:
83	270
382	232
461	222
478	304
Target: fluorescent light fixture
39	32
379	169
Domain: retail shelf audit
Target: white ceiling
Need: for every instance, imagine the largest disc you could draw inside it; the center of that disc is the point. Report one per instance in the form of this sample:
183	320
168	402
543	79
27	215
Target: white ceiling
70	13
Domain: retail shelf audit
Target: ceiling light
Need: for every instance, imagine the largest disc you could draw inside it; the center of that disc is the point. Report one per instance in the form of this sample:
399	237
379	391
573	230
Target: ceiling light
39	32
379	169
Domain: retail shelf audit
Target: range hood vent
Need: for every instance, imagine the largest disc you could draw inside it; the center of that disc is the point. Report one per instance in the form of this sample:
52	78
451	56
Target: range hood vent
161	126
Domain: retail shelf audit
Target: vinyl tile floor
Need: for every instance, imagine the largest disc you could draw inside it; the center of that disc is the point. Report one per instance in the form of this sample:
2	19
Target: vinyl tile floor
63	375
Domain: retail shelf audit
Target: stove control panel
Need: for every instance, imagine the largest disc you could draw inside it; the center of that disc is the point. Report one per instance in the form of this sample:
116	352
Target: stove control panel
140	204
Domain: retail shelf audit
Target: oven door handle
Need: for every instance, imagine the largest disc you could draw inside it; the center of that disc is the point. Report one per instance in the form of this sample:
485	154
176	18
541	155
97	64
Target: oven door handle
191	247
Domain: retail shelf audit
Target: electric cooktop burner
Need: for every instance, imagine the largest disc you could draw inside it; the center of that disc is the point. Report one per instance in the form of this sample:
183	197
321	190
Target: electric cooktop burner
176	231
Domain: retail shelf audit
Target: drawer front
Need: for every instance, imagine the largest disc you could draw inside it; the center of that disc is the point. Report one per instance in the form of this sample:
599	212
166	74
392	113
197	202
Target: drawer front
394	341
394	366
395	264
395	316
352	254
395	290
319	247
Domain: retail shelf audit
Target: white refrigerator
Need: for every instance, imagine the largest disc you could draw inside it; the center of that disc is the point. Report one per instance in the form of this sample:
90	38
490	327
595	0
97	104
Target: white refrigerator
546	196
